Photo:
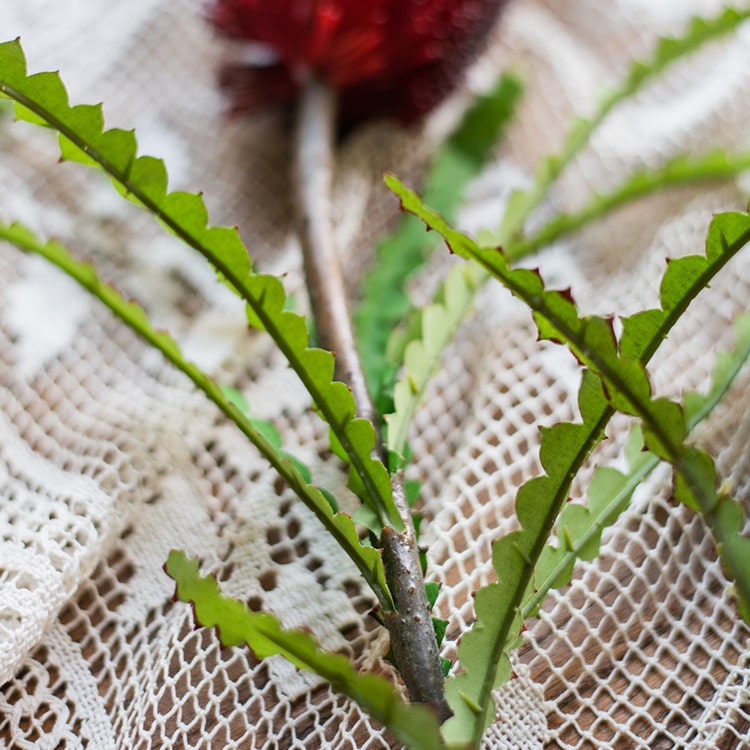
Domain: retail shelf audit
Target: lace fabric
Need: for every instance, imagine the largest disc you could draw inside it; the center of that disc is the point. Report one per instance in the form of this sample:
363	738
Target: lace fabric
108	458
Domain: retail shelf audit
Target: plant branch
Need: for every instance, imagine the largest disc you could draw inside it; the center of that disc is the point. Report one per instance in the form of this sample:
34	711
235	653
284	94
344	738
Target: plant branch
412	634
683	170
313	168
699	32
264	633
41	99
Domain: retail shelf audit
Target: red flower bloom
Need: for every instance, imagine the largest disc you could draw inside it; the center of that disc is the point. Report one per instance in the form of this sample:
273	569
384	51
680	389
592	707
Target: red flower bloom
394	58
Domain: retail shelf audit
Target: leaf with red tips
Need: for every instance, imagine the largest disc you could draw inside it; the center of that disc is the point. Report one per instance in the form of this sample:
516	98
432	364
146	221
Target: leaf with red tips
610	377
144	180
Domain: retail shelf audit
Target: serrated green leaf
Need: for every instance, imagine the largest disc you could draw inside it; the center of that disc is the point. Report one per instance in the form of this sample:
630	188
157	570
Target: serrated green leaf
715	165
385	301
726	235
144	180
668	50
620	383
412	724
683	169
592	339
580	528
664	426
262	434
422	355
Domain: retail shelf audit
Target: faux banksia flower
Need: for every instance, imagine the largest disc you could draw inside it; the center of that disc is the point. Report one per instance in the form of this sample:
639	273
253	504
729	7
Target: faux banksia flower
387	58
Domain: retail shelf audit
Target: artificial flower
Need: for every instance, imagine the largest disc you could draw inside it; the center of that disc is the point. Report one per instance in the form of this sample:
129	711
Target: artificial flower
391	58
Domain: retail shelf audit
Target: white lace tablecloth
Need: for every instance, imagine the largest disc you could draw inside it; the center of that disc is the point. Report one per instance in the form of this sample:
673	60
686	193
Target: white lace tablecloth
108	458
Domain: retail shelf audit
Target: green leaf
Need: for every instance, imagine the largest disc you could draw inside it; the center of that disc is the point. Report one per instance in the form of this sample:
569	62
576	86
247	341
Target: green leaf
564	447
265	428
440	627
699	32
684	278
144	179
626	383
261	433
303	470
483	651
684	169
414	725
385	301
716	165
422	355
437	323
330	498
580	527
237	398
433	589
412	488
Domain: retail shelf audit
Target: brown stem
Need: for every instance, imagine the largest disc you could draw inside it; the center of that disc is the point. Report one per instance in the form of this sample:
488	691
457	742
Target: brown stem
412	633
325	282
410	625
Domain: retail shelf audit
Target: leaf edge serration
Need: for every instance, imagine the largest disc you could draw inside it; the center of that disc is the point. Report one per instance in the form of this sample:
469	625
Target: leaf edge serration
558	321
42	99
340	525
235	623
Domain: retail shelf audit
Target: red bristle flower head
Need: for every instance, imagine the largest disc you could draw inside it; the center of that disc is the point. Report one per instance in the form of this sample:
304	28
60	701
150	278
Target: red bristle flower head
386	58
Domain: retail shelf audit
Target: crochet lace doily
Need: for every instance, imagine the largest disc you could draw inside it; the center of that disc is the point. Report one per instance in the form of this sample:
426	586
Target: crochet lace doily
109	459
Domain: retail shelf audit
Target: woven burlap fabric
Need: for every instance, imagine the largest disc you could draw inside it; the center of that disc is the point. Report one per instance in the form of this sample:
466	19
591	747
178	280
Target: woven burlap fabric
108	458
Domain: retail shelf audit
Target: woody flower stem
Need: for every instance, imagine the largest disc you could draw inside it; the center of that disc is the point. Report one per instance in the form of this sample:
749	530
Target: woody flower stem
410	625
325	283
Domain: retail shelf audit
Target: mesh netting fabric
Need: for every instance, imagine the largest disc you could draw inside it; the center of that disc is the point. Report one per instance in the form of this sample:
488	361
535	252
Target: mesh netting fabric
108	458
